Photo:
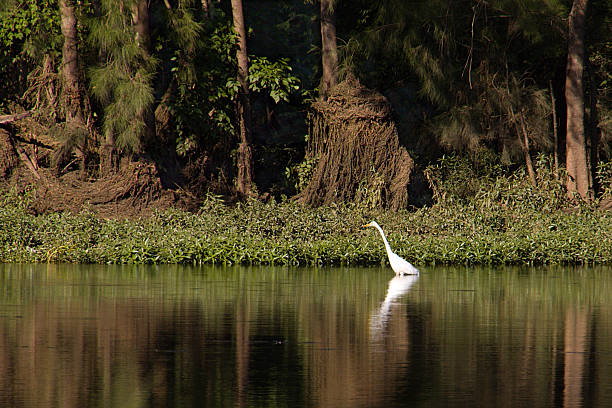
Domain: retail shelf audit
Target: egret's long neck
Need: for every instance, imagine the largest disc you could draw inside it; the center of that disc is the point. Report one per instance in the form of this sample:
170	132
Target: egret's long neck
382	234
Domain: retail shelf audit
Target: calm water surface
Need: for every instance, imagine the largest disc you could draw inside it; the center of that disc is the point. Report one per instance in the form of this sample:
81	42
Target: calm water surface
101	336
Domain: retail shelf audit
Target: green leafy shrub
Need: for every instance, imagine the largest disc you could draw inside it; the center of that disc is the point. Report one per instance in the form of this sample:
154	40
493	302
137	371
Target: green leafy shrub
299	175
604	178
513	223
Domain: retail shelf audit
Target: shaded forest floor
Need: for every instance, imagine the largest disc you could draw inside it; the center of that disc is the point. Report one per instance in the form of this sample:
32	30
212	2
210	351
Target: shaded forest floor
137	191
134	191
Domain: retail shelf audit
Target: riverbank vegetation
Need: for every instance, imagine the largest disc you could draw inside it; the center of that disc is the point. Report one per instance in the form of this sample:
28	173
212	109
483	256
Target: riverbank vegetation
267	132
499	220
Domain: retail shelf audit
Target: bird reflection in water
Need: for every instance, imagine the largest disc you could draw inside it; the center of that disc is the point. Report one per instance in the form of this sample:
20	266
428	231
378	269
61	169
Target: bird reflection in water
398	286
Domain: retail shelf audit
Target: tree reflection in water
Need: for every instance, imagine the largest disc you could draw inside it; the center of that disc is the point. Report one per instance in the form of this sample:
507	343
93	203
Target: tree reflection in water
75	336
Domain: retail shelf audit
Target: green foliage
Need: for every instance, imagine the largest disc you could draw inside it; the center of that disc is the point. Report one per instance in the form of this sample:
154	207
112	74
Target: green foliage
272	78
604	178
484	183
502	109
123	83
18	226
507	222
456	177
469	66
203	108
370	191
287	29
600	58
299	175
211	95
29	31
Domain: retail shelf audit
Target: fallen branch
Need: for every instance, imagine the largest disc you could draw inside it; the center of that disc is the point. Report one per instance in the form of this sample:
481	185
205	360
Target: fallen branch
32	141
14	117
28	162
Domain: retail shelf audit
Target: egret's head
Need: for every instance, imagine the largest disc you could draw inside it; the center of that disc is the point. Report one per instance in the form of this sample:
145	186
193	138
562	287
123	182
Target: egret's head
370	224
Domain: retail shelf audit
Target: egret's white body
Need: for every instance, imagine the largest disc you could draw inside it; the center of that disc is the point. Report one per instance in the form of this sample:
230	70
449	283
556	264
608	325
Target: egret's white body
399	265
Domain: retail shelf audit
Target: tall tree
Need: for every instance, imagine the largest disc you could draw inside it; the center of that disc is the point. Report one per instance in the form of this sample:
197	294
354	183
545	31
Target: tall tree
578	176
123	82
70	67
329	48
243	106
73	96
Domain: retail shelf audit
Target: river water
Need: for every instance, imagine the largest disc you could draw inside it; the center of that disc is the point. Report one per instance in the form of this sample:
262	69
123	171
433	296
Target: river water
170	336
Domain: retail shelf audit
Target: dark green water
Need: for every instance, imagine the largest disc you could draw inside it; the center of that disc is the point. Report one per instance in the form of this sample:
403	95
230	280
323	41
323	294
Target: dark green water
168	336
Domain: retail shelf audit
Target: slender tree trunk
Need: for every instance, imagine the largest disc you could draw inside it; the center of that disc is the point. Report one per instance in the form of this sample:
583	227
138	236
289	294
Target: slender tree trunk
71	88
109	160
243	108
578	180
555	131
525	147
523	139
329	55
594	132
207	8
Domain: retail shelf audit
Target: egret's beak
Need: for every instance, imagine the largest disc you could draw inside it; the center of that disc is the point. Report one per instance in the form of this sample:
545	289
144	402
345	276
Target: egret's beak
365	225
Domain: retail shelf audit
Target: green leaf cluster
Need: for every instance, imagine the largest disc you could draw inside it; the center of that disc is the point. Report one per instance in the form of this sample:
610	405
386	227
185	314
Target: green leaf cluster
273	78
29	30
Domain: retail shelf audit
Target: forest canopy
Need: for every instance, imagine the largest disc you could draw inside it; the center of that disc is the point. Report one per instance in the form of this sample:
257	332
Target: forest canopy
107	100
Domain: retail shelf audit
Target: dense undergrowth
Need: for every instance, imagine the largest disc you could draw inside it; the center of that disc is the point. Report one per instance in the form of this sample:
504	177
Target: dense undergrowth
492	219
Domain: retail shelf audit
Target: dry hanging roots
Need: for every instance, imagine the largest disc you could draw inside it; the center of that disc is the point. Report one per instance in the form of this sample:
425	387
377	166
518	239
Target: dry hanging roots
353	135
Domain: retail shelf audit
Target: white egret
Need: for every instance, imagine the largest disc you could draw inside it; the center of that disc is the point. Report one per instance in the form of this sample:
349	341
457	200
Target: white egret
399	265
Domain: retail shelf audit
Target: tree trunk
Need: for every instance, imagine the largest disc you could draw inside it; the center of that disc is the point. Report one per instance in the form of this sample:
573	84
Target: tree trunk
594	132
521	134
109	159
70	66
207	8
71	88
555	132
578	180
243	108
329	54
525	148
140	20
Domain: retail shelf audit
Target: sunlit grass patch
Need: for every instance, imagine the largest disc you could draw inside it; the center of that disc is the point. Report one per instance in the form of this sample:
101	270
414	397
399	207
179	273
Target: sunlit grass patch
289	234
